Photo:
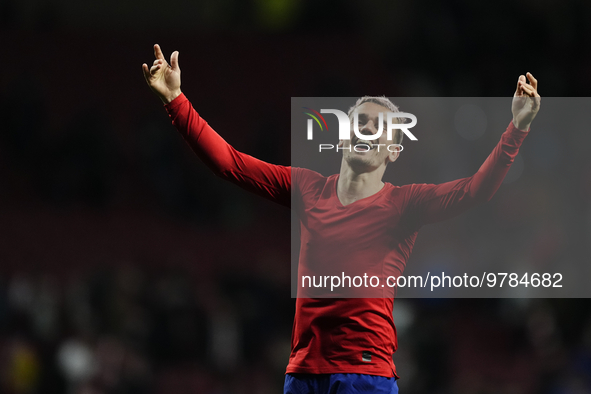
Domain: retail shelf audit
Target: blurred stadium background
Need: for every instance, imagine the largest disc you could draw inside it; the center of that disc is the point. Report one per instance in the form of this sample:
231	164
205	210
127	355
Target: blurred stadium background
126	267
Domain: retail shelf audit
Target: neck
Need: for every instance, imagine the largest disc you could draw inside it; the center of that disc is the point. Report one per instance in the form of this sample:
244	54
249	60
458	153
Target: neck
353	186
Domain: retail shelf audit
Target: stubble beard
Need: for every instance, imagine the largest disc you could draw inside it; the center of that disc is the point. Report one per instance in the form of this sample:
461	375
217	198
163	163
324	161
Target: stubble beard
360	163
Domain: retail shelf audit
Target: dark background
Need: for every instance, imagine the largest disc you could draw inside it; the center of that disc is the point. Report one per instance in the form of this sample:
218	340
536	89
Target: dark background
126	267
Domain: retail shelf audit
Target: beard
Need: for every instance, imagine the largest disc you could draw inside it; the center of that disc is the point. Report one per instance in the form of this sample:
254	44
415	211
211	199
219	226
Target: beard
361	163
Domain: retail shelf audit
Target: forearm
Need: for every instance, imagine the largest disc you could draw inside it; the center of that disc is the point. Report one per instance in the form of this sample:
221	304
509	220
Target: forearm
433	203
489	177
208	145
267	180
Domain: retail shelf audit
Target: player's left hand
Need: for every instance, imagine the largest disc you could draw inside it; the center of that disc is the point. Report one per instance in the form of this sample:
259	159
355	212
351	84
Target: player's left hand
164	79
526	102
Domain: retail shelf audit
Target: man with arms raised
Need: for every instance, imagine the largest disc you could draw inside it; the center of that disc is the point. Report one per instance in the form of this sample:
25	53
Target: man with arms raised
345	345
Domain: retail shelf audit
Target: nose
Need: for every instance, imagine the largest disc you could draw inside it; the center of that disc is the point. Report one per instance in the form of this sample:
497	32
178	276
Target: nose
368	128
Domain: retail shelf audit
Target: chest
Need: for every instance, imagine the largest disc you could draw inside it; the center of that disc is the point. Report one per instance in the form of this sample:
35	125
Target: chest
362	223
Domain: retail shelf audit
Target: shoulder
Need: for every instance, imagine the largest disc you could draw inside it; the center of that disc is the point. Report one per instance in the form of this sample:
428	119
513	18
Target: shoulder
409	194
306	176
393	192
307	183
416	188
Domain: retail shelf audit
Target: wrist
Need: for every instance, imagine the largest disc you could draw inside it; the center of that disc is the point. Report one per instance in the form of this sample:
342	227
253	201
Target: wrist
170	97
521	126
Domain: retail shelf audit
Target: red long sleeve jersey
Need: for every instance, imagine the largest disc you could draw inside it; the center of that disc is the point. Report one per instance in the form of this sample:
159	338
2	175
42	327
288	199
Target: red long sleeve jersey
346	335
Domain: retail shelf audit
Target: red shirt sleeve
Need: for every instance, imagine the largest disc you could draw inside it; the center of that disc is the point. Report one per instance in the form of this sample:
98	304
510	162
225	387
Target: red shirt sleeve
433	203
267	180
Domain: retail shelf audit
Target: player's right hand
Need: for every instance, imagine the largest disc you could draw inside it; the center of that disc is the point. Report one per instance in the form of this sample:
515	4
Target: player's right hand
162	78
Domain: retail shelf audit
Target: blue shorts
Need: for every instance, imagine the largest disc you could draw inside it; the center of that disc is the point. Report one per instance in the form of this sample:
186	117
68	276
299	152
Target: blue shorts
338	383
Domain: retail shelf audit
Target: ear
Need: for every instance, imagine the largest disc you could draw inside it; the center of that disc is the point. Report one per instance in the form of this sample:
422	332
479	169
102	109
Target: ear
393	156
341	142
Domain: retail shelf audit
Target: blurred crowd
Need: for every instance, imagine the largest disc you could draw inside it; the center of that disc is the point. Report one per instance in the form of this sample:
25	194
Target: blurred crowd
121	330
126	267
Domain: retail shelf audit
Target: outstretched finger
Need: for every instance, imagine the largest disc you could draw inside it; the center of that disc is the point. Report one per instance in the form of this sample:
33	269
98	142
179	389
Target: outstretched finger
154	69
158	52
532	80
529	90
146	71
519	90
174	60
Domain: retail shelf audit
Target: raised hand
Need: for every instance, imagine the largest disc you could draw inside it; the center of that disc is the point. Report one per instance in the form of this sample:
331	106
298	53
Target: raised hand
162	78
526	102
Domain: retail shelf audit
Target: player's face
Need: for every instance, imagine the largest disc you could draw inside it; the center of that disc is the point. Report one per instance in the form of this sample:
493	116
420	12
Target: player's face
368	124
